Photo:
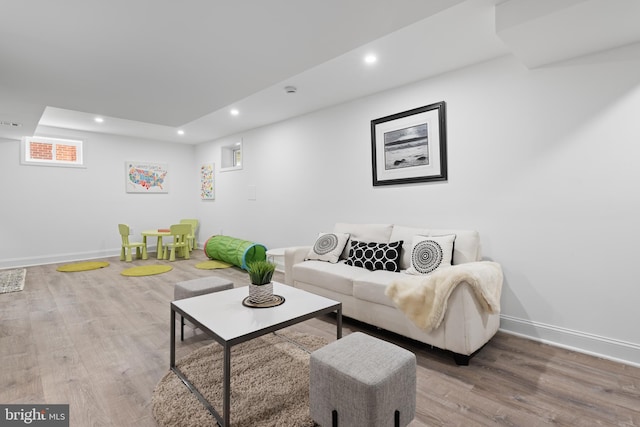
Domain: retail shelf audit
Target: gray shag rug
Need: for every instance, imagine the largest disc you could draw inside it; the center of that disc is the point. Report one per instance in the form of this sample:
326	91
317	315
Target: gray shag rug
12	280
269	384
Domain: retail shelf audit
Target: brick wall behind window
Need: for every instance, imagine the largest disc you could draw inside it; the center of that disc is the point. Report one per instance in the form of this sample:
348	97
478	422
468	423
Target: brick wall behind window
41	151
66	153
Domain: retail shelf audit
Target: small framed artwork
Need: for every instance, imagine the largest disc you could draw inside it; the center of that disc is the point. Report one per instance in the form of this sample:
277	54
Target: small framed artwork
207	181
410	146
146	177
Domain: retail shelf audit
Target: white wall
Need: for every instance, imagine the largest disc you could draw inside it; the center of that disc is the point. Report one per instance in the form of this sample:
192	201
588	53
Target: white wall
541	163
54	214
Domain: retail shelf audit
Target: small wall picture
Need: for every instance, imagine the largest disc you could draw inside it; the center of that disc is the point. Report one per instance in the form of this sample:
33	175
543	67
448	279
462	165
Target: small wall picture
146	177
410	146
207	181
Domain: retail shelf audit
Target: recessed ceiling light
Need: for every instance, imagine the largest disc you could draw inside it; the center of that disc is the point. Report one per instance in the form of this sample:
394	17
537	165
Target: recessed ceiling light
234	112
370	59
180	132
98	120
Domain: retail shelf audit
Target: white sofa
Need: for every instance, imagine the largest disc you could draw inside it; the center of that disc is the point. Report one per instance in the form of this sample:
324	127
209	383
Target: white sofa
466	326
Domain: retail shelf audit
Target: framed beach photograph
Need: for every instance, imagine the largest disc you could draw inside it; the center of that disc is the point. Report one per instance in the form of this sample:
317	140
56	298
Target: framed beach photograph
410	146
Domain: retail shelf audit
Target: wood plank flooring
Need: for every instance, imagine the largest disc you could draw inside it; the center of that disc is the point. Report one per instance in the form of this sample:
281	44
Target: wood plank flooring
100	342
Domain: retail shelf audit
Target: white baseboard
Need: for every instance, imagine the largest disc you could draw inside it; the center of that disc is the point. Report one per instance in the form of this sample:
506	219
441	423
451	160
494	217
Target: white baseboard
58	258
594	345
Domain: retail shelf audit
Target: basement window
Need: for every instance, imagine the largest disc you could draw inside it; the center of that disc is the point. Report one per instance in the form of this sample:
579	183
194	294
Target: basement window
231	157
42	151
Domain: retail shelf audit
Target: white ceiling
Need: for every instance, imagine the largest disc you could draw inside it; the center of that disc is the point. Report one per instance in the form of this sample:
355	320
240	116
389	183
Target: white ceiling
151	67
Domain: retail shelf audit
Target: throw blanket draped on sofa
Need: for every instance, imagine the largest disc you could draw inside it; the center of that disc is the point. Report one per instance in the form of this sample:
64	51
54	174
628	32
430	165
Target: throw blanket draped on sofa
423	299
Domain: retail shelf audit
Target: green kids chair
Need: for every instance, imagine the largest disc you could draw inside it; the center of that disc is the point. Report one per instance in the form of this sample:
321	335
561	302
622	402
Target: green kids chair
127	246
180	243
191	238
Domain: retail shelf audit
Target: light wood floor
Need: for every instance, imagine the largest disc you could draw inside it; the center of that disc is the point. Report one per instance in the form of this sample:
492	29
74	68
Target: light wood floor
100	342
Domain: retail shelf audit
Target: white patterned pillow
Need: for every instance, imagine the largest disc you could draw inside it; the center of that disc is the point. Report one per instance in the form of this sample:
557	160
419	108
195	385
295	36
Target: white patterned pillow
328	247
429	254
375	256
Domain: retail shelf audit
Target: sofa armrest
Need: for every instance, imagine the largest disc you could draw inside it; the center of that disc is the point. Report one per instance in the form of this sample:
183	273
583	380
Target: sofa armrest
292	256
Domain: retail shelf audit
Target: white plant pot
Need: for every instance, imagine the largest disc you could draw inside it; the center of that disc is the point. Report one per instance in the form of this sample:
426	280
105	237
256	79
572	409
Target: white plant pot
260	294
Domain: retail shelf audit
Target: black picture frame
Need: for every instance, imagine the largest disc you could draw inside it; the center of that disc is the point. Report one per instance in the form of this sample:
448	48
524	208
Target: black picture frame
410	146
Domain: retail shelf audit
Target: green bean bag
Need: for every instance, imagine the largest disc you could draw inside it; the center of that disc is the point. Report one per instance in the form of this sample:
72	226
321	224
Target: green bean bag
234	251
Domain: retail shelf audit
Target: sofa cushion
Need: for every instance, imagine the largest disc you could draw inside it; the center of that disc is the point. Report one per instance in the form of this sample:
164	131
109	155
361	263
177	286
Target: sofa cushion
375	256
429	254
467	247
364	233
371	287
328	247
335	277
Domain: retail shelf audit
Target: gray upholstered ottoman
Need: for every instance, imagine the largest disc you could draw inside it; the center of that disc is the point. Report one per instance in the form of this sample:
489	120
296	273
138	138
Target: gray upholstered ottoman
360	381
195	287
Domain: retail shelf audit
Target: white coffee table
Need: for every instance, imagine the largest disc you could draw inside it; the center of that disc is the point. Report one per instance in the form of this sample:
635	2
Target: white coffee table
223	317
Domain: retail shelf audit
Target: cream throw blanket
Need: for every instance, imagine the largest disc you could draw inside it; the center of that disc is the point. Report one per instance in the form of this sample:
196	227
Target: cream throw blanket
423	299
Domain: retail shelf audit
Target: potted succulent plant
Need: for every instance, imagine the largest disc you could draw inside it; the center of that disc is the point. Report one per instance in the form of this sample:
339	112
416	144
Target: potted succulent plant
261	287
